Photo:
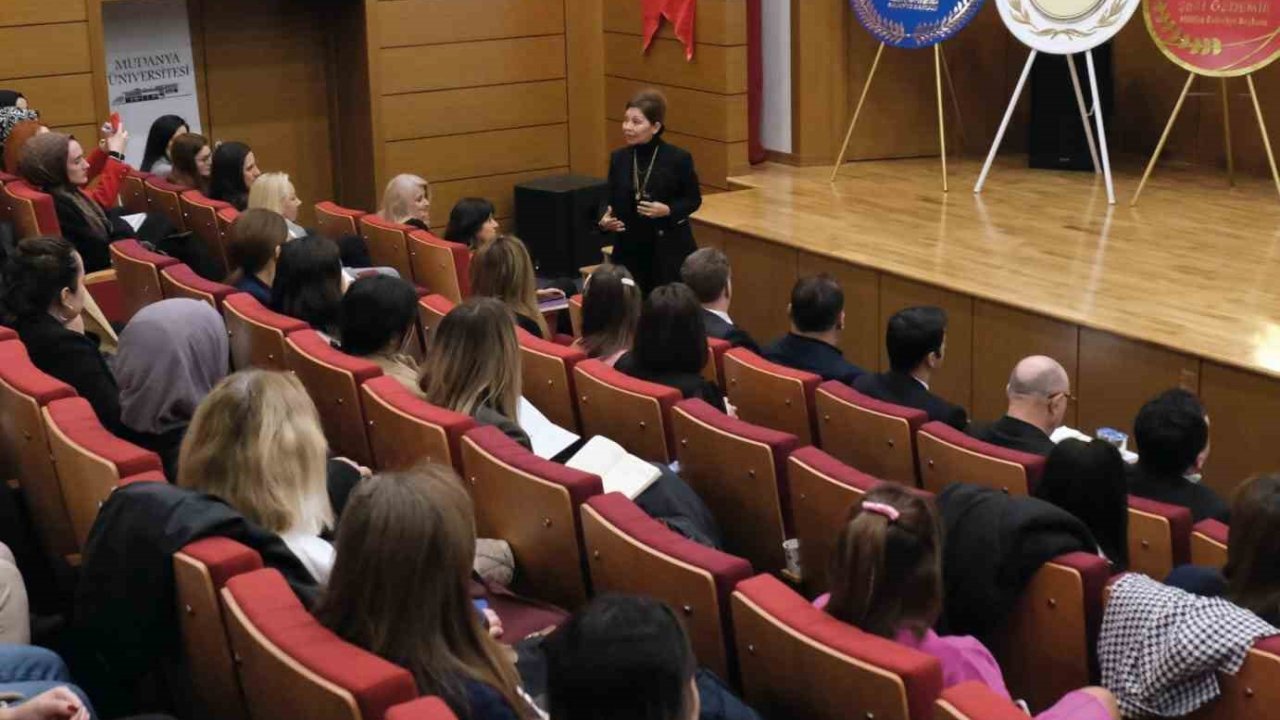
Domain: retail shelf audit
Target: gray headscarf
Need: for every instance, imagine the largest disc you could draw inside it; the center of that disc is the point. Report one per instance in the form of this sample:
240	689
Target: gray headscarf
171	355
11	116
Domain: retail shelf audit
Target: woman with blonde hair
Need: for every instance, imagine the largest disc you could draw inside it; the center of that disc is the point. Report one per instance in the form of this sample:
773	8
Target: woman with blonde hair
503	270
256	443
273	191
407	200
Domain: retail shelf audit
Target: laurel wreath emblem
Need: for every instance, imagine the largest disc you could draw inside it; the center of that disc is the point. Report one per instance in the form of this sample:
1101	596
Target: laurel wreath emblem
1112	15
1179	39
924	34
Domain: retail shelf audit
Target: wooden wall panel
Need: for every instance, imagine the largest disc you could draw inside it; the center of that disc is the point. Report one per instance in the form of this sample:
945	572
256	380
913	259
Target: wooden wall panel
719	22
691	112
714	68
1243	408
584	44
37	58
1002	336
455	157
761	307
65	100
411	23
820	79
863	330
489	62
1118	375
495	188
470	110
954	381
41	12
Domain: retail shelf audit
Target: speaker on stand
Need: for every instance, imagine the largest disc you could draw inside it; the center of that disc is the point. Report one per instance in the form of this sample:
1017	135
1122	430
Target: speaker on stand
1055	138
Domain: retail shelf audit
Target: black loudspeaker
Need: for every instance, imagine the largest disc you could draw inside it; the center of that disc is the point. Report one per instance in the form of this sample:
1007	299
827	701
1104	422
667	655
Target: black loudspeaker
557	217
1056	139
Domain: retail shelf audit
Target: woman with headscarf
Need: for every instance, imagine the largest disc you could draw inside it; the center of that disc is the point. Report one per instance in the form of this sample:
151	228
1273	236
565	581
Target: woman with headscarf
13	119
13	98
106	162
171	355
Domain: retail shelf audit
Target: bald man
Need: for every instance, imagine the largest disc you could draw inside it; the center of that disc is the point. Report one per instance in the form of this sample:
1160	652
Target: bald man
1039	391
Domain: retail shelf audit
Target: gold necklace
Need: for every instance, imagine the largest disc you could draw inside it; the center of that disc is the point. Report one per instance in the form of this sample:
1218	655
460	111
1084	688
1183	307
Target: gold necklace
641	190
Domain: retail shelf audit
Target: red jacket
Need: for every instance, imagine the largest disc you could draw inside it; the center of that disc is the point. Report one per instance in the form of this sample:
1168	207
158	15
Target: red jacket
105	176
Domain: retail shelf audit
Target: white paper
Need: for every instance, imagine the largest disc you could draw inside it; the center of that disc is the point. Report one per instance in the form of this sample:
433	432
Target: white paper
1064	432
135	220
619	470
548	438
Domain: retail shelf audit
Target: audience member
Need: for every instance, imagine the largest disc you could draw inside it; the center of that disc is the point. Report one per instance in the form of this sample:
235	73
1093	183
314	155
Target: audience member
706	272
309	283
16	128
817	319
1039	391
503	270
611	305
192	162
1172	434
471	223
13	98
671	345
256	442
171	355
15	605
44	296
400	590
38	680
886	579
378	321
273	191
916	339
1087	479
234	170
407	200
156	158
106	161
256	238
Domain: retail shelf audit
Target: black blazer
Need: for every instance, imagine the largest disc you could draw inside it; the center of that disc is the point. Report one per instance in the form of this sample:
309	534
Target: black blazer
690	385
654	249
903	389
91	245
1177	490
815	356
528	324
718	328
1015	434
75	360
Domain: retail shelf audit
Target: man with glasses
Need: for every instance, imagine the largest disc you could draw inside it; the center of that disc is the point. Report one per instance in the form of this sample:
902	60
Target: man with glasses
1039	392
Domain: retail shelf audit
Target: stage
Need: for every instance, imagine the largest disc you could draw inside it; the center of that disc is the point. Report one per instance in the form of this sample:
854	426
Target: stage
1183	289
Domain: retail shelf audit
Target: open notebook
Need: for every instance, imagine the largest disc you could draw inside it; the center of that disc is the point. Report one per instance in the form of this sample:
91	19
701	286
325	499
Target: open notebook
619	470
548	439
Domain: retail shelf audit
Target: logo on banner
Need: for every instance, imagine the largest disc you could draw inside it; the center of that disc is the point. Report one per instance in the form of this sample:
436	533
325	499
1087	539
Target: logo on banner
145	77
915	23
1065	27
1221	38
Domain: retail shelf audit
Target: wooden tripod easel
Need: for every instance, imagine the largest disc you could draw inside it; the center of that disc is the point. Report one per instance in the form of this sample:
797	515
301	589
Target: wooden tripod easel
939	69
1226	127
1105	165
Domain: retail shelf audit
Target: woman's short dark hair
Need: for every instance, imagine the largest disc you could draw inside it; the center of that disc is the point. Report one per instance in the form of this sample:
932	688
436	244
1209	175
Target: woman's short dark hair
1087	479
375	311
162	131
670	336
35	275
652	104
466	219
622	658
1253	546
226	175
308	283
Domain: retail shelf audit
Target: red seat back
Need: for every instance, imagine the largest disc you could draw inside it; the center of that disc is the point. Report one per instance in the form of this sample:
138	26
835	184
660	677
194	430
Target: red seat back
949	456
1159	537
334	221
138	272
1209	543
256	334
442	267
547	378
575	315
713	371
388	244
424	708
874	436
431	310
771	395
31	212
162	196
133	192
332	379
201	216
405	430
180	281
823	490
634	413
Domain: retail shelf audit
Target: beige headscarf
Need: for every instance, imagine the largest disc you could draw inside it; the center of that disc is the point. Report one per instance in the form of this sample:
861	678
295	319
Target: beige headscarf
44	165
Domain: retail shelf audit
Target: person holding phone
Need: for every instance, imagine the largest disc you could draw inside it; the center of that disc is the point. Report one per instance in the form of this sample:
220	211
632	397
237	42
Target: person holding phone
653	189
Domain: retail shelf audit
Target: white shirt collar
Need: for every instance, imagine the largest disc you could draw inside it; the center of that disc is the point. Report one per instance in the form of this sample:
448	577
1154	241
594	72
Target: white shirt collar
925	384
721	314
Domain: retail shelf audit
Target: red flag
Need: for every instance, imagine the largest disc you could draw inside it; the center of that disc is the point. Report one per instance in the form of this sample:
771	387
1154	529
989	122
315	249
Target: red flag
679	12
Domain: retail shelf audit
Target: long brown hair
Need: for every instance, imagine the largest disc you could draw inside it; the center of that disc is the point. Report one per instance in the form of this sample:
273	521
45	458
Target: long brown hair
1253	546
610	311
183	154
474	360
503	270
399	587
886	570
256	237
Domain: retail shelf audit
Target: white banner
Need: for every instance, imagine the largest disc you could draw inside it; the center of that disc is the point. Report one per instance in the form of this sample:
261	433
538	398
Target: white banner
150	70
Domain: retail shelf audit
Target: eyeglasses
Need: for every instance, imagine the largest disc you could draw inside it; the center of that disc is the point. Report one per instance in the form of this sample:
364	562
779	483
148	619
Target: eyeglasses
1070	398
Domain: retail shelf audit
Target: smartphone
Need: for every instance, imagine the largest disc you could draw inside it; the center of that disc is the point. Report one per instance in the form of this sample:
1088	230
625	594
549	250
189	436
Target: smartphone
115	122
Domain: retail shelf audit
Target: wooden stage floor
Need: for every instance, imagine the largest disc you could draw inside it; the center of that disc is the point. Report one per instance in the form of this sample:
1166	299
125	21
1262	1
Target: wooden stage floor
1194	268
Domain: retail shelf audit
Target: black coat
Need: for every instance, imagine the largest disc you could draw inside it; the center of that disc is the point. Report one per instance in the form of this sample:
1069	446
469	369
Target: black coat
654	249
690	385
1012	433
902	389
88	241
1175	489
814	356
717	327
993	544
74	359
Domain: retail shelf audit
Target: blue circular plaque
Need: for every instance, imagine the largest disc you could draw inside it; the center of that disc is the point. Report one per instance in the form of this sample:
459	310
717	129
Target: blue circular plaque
914	23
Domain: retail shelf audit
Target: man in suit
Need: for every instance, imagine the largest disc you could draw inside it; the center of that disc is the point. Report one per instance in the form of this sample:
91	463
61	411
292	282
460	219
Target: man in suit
1172	433
817	318
706	272
916	339
1039	391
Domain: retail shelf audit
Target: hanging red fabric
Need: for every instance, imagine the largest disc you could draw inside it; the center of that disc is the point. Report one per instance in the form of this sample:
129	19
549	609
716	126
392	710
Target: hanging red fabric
679	12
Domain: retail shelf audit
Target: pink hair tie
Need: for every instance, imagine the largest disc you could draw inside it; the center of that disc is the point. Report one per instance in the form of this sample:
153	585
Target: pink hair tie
888	511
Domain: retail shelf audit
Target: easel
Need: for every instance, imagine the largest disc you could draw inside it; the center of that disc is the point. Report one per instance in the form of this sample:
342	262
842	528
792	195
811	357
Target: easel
1105	165
939	69
1226	129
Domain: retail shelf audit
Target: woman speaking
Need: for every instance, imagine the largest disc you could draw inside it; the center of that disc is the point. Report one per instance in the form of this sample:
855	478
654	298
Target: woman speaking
653	190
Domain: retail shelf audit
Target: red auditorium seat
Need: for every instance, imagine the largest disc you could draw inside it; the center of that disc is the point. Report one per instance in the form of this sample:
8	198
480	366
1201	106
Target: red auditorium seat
532	504
633	413
440	266
24	444
200	570
974	701
388	243
6	177
1159	537
90	461
575	315
1209	543
332	379
771	395
713	371
133	192
950	456
291	666
226	218
431	310
630	552
7	334
30	211
162	197
424	708
823	490
180	281
201	216
256	333
138	272
876	437
547	378
334	221
405	430
1254	691
740	471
